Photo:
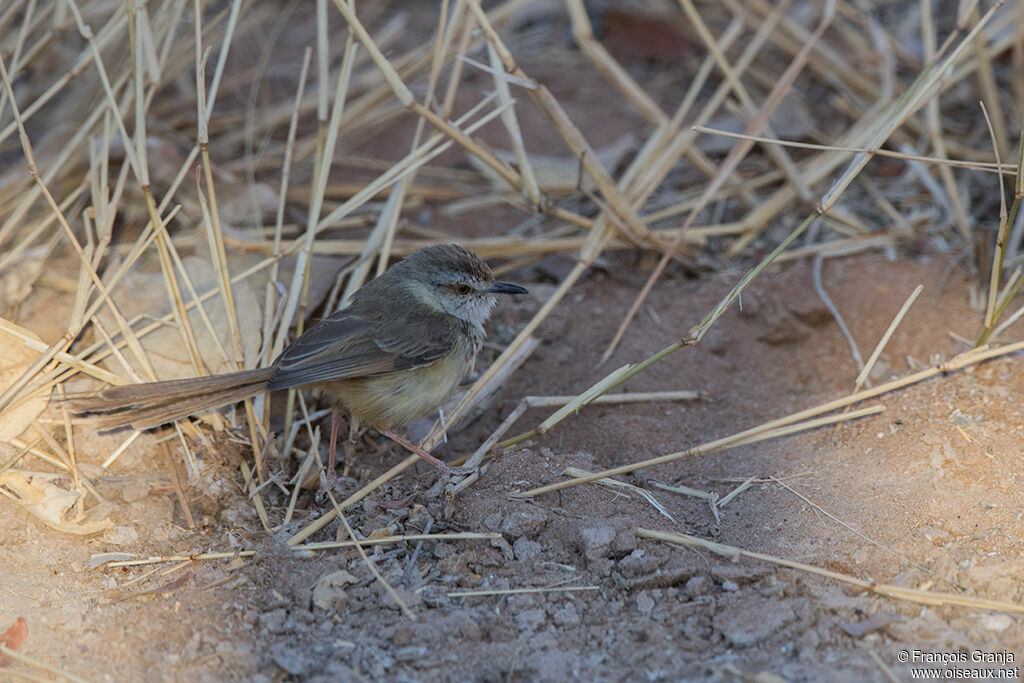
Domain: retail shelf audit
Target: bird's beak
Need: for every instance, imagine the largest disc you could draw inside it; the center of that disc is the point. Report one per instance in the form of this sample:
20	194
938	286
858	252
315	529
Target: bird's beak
506	288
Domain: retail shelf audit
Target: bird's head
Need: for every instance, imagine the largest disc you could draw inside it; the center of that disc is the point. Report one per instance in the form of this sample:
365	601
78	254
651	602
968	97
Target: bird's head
451	279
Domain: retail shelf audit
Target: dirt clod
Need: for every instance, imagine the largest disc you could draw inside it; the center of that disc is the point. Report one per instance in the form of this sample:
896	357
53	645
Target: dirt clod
751	622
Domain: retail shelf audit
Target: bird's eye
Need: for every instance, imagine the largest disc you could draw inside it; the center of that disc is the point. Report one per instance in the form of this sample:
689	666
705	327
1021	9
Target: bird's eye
463	288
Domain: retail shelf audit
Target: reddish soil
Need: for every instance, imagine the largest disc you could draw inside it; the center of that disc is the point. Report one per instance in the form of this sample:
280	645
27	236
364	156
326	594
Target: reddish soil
925	494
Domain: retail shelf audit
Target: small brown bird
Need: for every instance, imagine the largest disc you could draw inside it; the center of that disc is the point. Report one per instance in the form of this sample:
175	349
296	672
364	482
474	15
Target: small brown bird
393	355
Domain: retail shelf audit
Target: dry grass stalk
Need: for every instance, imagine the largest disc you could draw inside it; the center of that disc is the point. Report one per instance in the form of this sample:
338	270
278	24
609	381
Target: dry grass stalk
921	597
179	558
32	447
880	346
997	305
159	55
732	495
768	430
295	306
712	499
461	536
873	137
583	399
624	486
985	166
491	247
1000	247
595	394
286	167
61	674
518	591
778	427
852	530
934	126
634	397
736	154
119	451
370	564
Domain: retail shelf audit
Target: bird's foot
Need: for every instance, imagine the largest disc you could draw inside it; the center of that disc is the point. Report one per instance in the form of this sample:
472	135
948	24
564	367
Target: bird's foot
329	482
459	471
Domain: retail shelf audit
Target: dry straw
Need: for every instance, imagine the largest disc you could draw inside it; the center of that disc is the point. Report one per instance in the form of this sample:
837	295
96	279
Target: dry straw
105	200
921	597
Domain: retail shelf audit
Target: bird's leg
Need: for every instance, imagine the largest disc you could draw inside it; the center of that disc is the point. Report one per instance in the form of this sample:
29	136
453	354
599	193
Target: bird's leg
445	468
413	448
336	412
350	444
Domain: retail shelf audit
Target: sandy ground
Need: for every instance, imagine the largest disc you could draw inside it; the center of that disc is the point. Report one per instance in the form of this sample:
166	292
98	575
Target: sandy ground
926	494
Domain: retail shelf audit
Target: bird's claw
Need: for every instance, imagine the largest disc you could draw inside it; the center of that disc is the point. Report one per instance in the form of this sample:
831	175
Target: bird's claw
460	471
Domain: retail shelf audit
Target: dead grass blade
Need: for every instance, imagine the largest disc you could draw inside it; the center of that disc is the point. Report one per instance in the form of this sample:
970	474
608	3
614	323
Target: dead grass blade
769	430
920	597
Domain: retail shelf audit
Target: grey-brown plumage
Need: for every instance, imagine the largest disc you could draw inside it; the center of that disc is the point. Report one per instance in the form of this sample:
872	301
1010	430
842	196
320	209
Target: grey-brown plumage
393	355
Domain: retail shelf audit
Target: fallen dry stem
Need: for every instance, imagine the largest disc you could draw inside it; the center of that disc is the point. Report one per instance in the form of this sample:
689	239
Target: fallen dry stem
521	591
852	530
35	663
732	160
769	430
180	558
983	166
623	486
370	564
920	597
863	376
956	363
387	540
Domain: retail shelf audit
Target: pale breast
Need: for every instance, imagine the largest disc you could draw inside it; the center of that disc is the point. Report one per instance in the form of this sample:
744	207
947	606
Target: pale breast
399	398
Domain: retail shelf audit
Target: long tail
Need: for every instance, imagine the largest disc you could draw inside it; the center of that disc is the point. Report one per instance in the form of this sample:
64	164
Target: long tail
144	406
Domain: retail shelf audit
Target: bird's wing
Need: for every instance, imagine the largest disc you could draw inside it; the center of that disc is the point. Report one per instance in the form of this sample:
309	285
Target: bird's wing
346	345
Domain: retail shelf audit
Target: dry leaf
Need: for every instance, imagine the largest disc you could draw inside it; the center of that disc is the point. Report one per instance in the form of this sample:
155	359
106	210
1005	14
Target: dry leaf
44	496
329	591
12	639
